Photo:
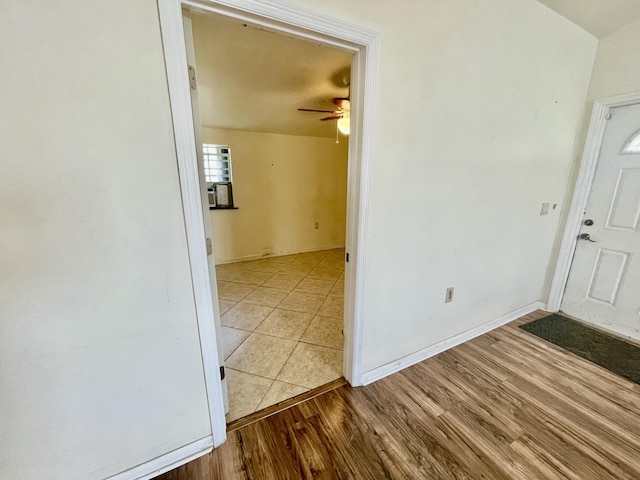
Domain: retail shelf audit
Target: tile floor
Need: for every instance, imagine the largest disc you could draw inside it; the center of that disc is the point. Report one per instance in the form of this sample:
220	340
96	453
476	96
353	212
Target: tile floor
282	323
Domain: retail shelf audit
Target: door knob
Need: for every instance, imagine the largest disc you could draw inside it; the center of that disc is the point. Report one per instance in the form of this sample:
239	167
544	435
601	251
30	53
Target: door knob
588	222
586	236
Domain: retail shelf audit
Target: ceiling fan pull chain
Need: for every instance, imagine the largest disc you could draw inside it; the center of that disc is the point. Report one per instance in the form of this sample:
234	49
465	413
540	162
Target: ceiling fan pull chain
337	137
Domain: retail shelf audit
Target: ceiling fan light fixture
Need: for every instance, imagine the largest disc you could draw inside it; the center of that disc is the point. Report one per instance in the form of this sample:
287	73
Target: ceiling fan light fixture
344	124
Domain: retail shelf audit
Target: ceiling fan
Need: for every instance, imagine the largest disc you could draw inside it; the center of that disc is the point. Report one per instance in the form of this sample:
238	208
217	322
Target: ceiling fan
342	114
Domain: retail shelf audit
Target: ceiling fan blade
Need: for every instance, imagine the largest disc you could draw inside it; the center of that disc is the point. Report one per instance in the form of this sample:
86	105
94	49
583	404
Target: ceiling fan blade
312	110
342	103
334	117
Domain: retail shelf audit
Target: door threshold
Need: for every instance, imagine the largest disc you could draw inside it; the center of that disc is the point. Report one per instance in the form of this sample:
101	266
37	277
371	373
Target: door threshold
285	404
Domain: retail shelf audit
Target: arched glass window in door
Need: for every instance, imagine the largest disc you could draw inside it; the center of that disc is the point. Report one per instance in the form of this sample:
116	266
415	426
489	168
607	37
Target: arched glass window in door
633	145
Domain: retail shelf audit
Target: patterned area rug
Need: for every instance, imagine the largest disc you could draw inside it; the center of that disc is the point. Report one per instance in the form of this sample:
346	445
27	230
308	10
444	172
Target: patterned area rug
617	356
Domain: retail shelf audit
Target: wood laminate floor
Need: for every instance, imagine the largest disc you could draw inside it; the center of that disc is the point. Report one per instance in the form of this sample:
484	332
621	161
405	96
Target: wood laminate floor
506	405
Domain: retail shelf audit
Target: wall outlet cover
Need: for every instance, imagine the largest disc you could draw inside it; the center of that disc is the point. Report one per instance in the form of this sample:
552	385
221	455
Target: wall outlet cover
545	209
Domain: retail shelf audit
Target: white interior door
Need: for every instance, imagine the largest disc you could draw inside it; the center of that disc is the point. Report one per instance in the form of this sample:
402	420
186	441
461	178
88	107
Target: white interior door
604	280
195	108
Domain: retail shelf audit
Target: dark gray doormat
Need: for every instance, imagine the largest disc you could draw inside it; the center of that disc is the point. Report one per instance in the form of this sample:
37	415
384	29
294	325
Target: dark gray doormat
617	356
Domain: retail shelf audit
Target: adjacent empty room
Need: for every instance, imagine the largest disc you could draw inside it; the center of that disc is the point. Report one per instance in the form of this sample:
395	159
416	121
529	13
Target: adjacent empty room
273	110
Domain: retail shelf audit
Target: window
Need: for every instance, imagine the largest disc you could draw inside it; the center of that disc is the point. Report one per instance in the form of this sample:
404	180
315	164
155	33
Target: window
633	145
217	163
217	174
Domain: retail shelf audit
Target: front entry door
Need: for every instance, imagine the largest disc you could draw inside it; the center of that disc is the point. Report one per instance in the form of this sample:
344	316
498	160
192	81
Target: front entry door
604	281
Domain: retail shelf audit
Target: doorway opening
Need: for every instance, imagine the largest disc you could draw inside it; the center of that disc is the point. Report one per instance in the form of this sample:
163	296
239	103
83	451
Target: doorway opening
323	31
276	180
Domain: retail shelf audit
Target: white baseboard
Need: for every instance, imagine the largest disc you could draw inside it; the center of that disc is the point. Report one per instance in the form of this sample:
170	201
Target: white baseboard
404	362
168	461
258	256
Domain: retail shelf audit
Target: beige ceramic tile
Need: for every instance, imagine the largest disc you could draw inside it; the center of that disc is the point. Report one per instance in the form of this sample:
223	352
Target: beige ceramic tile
306	260
293	269
266	266
319	255
324	331
338	289
232	338
302	302
285	324
245	393
332	263
245	316
227	274
270	297
313	285
284	259
322	274
248	265
332	307
334	259
311	366
279	392
233	291
332	267
261	355
251	277
225	305
283	281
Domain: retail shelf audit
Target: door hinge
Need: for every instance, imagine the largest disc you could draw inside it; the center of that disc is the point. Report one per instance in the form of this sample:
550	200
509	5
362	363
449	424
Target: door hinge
209	247
222	374
346	257
608	116
192	78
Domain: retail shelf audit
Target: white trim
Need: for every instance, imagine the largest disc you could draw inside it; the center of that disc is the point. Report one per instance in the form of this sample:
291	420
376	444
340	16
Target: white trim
167	462
282	18
404	362
260	256
363	97
180	98
582	189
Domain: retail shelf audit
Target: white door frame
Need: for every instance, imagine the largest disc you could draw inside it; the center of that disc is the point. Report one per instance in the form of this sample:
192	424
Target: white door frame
305	24
586	173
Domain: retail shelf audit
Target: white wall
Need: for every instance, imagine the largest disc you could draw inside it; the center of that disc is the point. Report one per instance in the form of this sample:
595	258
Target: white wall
282	186
478	110
617	65
100	367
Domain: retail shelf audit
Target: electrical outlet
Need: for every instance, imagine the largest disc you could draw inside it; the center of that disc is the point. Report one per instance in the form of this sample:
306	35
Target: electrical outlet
317	225
545	209
449	295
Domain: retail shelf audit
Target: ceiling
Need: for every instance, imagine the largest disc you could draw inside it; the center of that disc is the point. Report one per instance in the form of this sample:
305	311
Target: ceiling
598	17
255	80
